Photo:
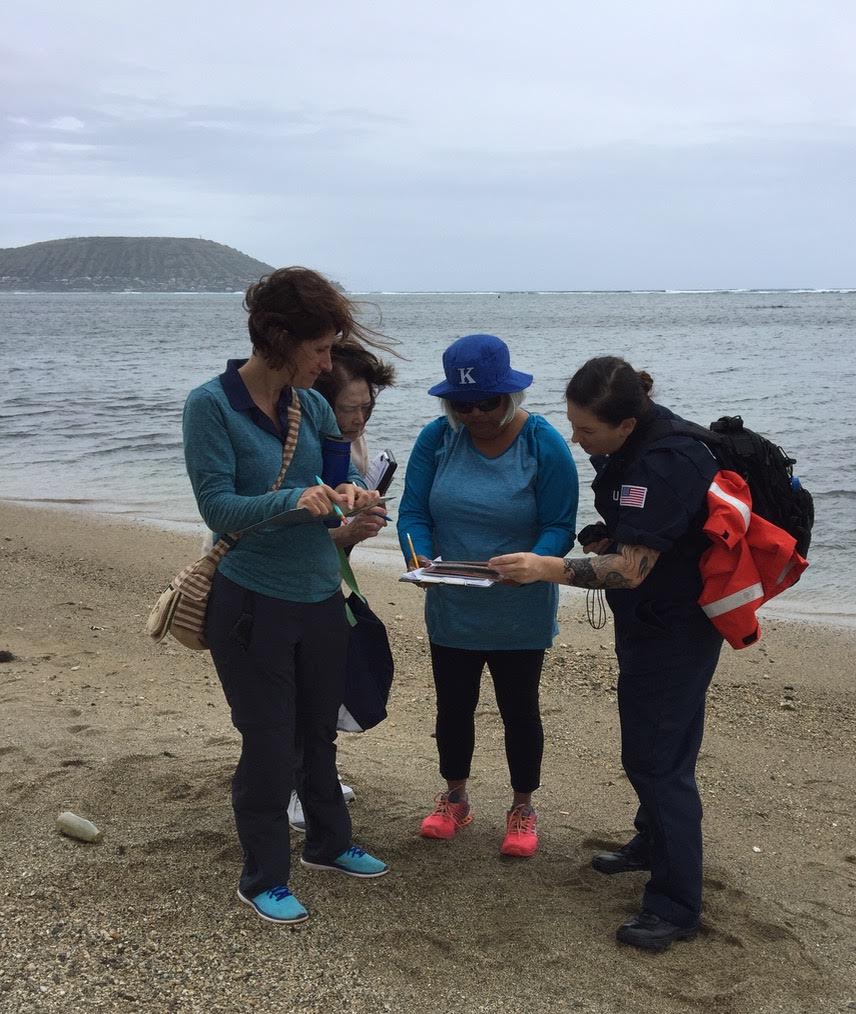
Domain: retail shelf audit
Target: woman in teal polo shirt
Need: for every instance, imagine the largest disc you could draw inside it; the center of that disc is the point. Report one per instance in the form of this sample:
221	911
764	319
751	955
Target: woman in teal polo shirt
276	622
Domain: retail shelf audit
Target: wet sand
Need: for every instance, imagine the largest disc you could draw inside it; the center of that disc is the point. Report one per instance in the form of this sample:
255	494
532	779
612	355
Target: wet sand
136	737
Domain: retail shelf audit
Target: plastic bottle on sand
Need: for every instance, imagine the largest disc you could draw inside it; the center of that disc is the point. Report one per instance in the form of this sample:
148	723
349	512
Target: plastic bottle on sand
78	827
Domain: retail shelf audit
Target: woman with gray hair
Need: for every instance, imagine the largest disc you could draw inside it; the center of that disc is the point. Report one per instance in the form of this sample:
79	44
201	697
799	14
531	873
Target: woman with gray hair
487	474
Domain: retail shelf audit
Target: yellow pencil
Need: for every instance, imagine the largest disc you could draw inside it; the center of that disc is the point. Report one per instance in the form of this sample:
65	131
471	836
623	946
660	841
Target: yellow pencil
413	551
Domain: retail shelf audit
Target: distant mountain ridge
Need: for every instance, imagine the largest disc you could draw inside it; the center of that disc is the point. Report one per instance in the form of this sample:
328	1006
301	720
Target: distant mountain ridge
119	263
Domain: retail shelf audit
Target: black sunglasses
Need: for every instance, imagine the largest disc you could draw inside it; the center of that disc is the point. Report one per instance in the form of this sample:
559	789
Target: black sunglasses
485	405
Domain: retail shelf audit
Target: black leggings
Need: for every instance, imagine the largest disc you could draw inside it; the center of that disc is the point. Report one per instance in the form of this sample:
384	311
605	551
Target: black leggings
516	674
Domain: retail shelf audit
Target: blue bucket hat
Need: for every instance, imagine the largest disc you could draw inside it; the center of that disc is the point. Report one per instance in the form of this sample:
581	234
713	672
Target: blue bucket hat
478	365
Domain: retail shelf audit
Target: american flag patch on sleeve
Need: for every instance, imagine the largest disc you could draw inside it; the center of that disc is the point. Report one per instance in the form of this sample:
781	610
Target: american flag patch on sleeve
632	496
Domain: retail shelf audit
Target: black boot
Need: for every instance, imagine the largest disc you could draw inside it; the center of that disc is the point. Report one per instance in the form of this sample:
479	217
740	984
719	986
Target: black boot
652	933
624	860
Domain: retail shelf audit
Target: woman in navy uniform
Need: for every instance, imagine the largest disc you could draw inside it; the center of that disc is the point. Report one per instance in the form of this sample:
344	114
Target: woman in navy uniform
650	491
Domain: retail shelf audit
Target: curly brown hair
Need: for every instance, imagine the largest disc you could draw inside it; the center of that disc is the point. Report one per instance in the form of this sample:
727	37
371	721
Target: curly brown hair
294	305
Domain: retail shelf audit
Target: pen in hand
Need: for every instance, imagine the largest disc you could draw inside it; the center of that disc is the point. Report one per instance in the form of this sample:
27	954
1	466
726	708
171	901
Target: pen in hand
336	507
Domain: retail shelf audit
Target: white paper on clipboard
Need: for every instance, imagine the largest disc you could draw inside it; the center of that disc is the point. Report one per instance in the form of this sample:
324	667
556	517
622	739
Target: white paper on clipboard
380	471
430	575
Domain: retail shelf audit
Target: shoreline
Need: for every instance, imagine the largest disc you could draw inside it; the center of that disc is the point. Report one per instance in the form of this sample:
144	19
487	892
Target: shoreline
136	737
387	553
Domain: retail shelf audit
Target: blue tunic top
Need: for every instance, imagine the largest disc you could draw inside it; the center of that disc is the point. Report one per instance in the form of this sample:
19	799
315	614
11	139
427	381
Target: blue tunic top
233	456
462	505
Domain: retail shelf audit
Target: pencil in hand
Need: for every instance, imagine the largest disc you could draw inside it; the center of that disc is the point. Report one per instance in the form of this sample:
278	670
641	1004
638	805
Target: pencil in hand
336	507
413	556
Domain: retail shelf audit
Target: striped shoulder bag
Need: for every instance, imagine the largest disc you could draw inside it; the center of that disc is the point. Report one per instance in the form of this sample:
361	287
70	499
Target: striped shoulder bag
180	610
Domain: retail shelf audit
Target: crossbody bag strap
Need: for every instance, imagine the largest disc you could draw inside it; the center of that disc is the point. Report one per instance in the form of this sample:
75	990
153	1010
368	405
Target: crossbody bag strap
290	442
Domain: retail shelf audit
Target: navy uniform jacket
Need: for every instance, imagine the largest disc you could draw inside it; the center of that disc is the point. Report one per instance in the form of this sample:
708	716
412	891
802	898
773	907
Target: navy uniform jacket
655	495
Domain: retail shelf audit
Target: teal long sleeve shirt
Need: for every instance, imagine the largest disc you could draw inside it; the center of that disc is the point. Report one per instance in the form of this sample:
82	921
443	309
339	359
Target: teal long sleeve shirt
232	462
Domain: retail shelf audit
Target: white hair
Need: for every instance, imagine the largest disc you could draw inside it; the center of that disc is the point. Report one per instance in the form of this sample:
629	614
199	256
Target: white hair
515	400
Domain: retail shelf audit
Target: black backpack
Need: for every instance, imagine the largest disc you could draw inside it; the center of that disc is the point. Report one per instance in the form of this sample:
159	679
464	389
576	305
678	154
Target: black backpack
777	495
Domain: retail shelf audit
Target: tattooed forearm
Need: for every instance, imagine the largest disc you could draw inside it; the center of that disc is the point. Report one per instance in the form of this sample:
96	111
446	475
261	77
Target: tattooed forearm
627	568
581	573
615	580
641	556
599	573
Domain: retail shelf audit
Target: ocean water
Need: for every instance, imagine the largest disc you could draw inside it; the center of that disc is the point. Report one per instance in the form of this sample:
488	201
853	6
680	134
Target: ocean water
90	404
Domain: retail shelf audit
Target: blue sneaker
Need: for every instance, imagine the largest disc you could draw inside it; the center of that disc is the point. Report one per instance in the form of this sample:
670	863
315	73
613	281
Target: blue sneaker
277	905
356	862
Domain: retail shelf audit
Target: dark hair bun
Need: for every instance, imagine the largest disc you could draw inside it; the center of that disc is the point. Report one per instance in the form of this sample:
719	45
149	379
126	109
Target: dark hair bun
609	387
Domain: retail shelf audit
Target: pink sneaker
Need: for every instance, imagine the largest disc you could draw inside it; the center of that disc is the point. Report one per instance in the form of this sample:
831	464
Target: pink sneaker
446	819
521	835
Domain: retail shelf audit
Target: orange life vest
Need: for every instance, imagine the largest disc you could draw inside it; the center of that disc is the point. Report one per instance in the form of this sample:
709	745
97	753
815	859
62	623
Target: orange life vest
749	562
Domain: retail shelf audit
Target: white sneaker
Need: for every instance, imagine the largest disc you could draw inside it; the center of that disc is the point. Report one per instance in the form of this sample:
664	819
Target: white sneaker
296	820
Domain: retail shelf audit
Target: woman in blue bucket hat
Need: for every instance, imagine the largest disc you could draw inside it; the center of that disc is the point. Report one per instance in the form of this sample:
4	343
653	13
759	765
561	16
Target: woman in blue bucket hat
486	474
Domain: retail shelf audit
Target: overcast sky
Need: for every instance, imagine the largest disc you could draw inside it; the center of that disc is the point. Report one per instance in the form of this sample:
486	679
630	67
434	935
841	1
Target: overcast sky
445	145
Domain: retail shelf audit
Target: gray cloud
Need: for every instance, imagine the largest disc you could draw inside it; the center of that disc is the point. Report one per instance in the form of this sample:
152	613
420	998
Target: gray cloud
465	146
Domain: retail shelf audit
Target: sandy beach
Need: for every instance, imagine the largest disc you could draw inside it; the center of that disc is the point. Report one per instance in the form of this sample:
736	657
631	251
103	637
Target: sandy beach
136	737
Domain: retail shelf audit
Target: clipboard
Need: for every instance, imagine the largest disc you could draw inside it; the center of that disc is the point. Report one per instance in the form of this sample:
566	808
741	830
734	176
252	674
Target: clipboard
463	573
462	568
380	471
301	516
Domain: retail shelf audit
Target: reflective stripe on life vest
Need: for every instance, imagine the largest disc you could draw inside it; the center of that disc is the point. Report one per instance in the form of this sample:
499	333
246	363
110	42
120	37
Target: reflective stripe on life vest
749	561
744	510
735	600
